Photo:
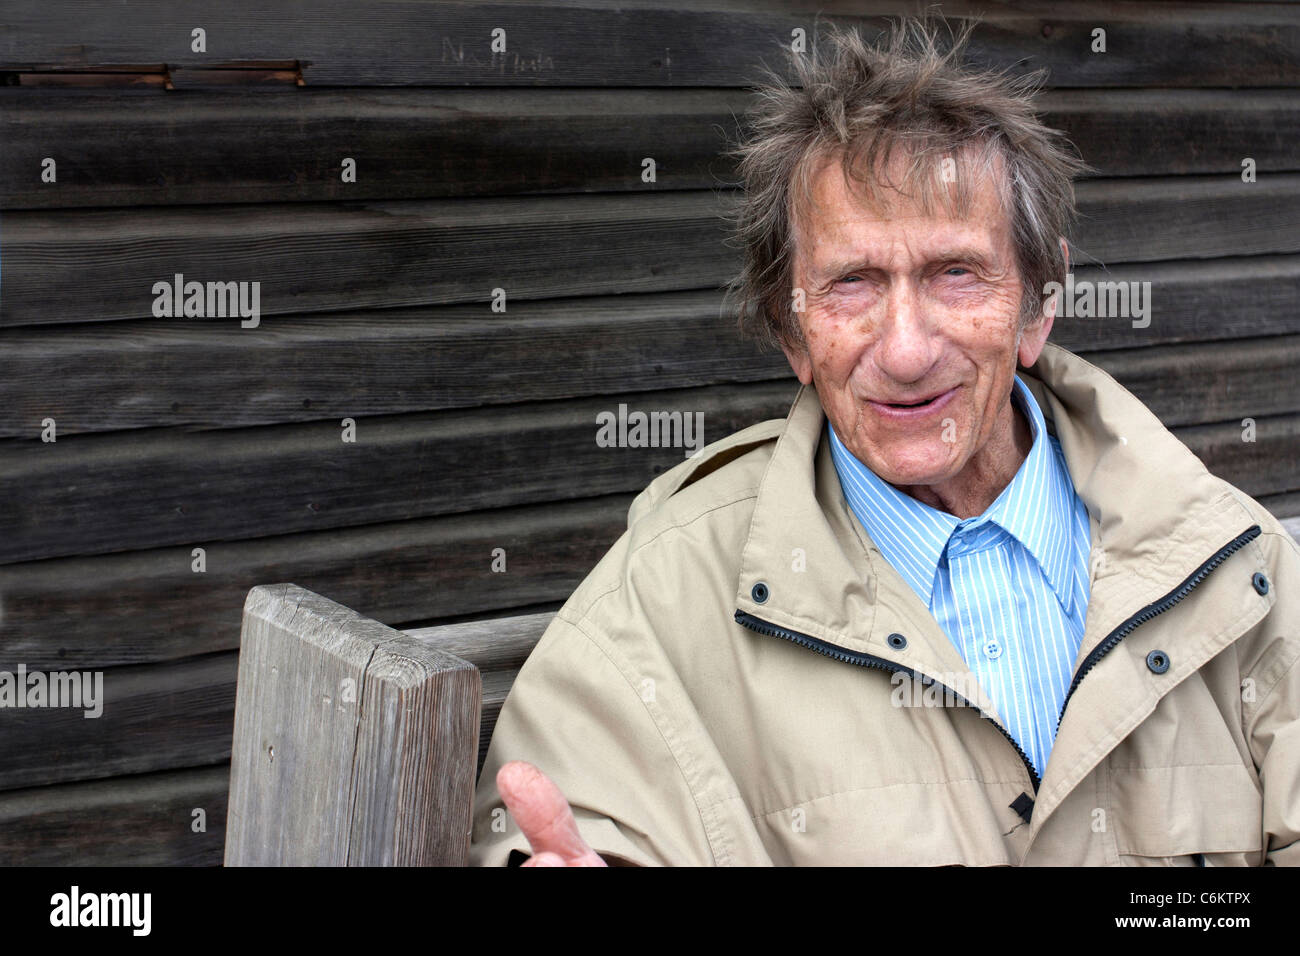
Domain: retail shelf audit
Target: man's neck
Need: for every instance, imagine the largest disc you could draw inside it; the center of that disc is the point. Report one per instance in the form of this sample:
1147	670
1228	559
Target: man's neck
970	492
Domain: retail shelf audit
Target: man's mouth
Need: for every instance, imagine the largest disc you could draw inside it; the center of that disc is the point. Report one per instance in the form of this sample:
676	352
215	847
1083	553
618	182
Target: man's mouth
916	405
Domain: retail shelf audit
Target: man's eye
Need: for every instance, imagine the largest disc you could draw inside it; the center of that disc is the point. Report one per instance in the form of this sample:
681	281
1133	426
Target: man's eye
956	270
850	279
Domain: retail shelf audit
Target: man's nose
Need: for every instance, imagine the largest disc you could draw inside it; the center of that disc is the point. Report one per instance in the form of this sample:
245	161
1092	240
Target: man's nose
905	346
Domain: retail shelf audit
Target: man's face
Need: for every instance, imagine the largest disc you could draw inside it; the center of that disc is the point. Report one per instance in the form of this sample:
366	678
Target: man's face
904	306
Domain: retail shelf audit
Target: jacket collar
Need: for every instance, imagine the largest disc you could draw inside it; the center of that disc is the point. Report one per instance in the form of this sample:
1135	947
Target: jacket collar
1036	508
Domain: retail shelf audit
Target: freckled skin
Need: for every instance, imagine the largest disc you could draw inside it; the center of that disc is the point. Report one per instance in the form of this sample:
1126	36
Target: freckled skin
921	303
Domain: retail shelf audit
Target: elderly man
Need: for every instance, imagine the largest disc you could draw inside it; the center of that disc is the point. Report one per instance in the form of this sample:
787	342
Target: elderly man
968	603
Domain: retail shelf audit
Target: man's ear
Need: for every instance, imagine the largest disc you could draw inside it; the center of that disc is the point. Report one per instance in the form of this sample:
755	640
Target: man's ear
799	359
1034	335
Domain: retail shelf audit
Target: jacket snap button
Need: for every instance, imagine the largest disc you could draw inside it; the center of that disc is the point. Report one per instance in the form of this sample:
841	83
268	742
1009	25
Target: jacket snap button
897	641
1158	662
1260	582
759	592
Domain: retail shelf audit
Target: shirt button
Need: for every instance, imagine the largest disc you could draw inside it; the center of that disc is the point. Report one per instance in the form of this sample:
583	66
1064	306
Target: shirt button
992	649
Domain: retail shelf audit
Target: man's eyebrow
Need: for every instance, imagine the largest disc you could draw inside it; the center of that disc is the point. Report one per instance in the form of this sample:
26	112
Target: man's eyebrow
976	257
845	266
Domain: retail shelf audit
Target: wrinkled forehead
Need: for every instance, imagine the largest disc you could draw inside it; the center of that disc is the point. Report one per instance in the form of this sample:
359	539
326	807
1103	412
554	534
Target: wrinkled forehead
967	185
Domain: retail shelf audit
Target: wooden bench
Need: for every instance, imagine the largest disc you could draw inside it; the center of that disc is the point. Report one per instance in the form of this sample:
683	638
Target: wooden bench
356	744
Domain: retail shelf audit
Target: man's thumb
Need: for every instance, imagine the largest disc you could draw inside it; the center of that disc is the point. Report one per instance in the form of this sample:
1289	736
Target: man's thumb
542	812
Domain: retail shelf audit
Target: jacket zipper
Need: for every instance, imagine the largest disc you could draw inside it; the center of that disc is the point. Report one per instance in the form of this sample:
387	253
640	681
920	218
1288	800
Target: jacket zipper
1094	657
867	660
1157	607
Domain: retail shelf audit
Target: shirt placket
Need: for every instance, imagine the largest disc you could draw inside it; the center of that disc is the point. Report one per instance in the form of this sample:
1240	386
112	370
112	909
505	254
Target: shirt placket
989	630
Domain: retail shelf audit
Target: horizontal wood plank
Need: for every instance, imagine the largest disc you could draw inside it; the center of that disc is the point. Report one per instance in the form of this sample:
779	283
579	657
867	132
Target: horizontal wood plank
1202	383
403	42
96	265
160	373
145	820
1283	504
310	257
163	487
1186	217
124	148
1162	132
1262	468
148	606
156	717
1190	302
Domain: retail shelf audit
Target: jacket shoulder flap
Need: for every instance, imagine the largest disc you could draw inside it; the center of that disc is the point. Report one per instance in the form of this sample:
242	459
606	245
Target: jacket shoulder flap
711	458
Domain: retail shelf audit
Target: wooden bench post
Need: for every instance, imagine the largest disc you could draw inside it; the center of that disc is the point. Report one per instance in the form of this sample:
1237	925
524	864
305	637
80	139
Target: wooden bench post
354	744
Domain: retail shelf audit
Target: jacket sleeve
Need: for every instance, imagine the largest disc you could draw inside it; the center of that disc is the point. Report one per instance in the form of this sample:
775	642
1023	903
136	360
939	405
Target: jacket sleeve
1271	691
576	712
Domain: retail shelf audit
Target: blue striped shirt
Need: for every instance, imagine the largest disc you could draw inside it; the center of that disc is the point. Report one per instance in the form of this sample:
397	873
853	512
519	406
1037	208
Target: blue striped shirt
1009	587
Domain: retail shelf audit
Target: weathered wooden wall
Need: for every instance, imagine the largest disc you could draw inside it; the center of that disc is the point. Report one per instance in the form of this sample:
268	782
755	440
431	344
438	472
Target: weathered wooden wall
475	429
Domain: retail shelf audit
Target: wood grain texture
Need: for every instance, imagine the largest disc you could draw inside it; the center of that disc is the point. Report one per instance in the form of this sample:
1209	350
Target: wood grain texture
1283	504
1191	217
314	257
159	373
498	648
1201	301
407	42
152	718
122	148
1163	132
1263	467
149	606
99	265
1200	383
143	820
165	487
353	744
116	149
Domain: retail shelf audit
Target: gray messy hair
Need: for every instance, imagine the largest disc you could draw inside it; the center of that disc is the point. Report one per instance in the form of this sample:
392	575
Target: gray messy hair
865	103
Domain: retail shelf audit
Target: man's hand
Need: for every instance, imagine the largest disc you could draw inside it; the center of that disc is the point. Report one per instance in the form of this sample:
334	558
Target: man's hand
544	816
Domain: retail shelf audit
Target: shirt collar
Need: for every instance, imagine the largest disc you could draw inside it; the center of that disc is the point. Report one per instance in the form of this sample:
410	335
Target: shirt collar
1035	508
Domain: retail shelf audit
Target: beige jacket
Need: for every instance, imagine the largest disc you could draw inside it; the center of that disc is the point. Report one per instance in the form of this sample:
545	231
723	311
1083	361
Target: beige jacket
688	722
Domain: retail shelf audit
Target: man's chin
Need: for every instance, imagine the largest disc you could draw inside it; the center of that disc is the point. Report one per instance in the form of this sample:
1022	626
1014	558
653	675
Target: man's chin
899	469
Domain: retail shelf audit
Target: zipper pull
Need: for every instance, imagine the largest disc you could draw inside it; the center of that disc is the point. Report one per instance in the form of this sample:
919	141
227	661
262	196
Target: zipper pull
1023	805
